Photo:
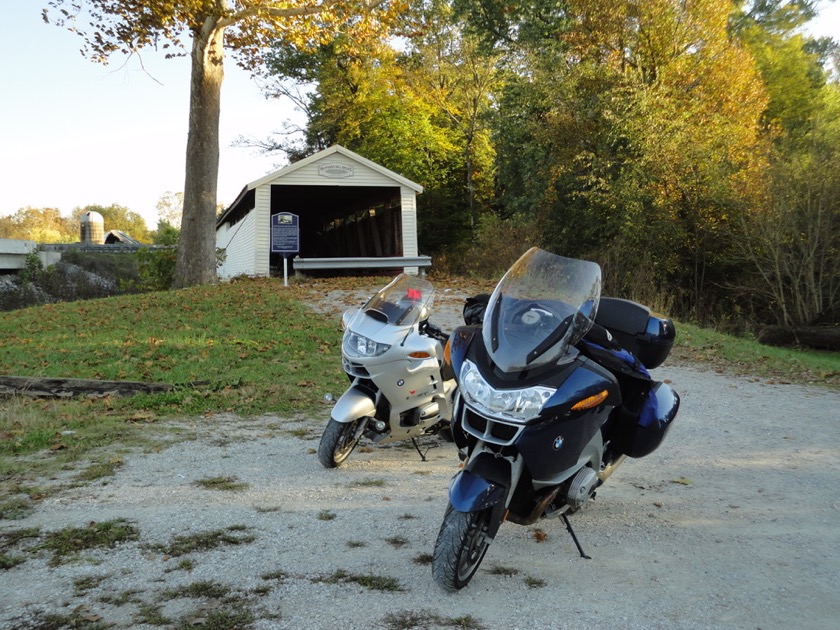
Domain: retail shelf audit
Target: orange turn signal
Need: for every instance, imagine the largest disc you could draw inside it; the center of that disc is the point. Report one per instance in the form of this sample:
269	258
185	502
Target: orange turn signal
590	401
419	355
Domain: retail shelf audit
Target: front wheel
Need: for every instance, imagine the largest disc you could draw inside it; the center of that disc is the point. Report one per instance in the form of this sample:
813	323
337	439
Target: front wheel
337	442
460	547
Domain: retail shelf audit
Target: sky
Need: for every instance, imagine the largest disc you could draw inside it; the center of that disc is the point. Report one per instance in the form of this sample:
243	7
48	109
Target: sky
75	133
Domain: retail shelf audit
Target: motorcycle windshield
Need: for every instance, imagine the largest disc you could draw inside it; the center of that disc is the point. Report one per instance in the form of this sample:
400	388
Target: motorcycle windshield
403	302
542	306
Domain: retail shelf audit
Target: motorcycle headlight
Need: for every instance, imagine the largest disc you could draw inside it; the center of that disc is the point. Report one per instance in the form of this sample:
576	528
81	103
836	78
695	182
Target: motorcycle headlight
517	405
361	346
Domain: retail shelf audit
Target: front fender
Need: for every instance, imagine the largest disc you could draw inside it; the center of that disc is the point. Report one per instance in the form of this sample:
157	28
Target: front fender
484	482
471	493
353	404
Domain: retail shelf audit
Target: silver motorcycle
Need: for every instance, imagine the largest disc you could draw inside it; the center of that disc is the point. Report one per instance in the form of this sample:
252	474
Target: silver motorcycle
399	386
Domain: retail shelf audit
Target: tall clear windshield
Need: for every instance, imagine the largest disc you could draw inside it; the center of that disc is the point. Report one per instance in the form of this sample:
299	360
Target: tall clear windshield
404	301
543	305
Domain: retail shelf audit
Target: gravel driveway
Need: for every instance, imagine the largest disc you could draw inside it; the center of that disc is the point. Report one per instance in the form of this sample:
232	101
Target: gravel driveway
732	523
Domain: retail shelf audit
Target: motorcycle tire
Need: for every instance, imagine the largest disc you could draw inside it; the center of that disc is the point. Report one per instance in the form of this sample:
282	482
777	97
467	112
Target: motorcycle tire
337	442
460	547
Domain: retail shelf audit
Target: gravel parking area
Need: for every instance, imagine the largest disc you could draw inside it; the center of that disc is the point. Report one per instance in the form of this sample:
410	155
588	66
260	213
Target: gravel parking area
732	523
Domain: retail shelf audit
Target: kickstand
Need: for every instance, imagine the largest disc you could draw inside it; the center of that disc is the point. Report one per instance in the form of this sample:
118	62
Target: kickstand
572	532
419	452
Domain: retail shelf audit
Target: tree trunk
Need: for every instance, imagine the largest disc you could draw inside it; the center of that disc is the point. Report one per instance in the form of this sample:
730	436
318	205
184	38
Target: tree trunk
36	387
196	261
823	337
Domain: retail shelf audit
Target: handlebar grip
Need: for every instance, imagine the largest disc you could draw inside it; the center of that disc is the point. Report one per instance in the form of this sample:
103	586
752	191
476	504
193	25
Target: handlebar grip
435	332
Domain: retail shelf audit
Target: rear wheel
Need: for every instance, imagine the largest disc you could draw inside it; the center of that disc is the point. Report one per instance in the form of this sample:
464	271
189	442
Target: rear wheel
337	442
460	547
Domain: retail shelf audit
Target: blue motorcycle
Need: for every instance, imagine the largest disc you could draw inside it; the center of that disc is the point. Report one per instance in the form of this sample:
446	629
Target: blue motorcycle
553	394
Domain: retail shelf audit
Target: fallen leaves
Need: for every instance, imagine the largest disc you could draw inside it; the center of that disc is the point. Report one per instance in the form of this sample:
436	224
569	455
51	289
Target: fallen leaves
142	417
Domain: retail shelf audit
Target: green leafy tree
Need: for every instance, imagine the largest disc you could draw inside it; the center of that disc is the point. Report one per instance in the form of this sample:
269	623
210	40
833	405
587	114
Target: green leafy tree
42	225
629	132
420	111
206	28
170	208
446	64
791	241
791	69
166	234
365	101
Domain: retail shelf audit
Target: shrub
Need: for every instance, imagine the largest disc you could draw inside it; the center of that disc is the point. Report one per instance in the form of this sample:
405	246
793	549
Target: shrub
498	244
155	269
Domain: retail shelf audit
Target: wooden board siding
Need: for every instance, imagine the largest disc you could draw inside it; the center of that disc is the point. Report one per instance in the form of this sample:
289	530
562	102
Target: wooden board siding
309	175
262	238
238	243
409	222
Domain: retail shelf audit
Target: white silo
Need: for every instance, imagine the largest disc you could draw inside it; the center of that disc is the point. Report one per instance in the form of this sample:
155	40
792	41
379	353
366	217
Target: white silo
92	228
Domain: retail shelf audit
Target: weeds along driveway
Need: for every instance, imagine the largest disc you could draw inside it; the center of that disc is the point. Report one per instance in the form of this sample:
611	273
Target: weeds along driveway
730	524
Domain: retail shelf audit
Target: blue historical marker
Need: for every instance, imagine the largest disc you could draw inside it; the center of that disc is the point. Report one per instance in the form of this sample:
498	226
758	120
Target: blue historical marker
285	233
285	238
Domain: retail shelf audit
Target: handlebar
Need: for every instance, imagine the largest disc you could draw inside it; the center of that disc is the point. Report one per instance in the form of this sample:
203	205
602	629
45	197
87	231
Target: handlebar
434	332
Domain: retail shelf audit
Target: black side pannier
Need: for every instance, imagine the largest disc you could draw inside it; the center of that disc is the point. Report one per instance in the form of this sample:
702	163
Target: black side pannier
639	432
649	336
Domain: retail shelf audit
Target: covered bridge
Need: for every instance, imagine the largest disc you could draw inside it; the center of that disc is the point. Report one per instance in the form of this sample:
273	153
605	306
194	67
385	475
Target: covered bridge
350	213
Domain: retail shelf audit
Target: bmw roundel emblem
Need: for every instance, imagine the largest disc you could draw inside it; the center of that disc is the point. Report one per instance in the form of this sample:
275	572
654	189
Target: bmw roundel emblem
400	383
558	442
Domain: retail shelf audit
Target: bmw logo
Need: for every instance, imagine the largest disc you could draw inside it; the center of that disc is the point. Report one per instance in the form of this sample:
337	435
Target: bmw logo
558	442
400	383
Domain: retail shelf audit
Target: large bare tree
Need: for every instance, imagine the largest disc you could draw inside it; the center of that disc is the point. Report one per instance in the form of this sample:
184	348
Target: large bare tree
206	28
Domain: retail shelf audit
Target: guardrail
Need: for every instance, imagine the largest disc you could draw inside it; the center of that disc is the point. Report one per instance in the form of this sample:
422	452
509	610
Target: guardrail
113	248
350	262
